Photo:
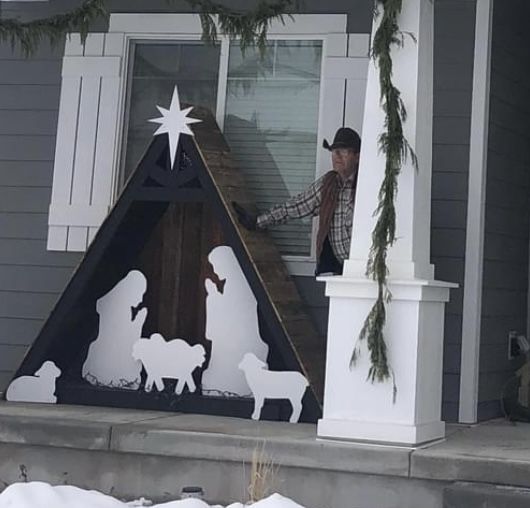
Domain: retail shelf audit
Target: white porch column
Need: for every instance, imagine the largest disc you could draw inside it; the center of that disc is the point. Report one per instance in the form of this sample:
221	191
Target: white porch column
353	407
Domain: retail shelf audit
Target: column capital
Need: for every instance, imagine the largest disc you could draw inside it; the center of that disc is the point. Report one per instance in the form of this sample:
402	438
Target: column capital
418	290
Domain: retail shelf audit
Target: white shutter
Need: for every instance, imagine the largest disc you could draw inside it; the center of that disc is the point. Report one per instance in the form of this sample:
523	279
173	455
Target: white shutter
356	80
333	90
344	77
85	155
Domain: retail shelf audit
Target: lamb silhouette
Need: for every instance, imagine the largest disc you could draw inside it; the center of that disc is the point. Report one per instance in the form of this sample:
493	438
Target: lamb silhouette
267	384
174	359
37	388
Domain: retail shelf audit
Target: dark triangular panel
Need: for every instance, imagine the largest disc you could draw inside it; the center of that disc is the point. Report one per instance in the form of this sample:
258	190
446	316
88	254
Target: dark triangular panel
158	210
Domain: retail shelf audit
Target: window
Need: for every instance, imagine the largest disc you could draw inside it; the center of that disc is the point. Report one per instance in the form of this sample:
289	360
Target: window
270	115
271	123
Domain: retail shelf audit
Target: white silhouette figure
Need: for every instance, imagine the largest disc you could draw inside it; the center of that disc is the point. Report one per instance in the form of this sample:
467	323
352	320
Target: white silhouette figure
174	359
37	388
268	384
109	361
231	325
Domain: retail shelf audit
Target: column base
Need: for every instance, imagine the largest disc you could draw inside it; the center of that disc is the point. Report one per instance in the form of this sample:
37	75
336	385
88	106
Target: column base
384	433
356	408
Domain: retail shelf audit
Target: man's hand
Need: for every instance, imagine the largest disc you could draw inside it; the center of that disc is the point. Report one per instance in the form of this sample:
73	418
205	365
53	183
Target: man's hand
247	219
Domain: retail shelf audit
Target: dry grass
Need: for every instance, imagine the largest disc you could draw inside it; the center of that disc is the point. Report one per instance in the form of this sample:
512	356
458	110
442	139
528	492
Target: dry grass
263	472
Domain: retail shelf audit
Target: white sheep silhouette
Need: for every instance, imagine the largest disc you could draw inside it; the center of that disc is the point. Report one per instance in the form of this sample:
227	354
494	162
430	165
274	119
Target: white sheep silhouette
267	384
37	388
174	359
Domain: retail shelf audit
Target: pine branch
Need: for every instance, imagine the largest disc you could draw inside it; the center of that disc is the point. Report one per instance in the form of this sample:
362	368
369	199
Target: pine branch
396	149
250	27
31	33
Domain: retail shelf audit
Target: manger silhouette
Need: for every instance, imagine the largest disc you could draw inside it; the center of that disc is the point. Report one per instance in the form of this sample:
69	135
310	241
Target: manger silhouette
165	225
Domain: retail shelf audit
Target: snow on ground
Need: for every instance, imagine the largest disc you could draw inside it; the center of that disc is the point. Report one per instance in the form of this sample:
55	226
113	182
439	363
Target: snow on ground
43	495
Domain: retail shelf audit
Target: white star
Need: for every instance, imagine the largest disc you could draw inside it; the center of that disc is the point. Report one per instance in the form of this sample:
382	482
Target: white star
174	121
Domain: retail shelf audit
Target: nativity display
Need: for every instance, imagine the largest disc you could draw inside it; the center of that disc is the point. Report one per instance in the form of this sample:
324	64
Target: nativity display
174	305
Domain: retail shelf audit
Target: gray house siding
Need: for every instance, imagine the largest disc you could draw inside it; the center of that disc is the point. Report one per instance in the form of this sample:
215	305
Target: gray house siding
30	277
454	45
505	278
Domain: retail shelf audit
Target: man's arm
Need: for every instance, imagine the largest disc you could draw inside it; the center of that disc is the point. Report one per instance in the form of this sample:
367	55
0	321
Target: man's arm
305	204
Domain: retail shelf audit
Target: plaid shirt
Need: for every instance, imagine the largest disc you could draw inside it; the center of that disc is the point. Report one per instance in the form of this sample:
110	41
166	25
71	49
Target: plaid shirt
307	204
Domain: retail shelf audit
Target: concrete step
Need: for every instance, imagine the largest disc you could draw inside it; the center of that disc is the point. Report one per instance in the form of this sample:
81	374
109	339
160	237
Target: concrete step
130	454
480	495
133	453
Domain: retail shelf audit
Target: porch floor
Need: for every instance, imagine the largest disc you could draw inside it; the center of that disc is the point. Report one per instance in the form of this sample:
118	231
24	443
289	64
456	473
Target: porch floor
496	452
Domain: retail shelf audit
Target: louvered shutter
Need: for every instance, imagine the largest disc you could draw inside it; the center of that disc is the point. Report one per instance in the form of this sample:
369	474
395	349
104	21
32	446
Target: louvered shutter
86	146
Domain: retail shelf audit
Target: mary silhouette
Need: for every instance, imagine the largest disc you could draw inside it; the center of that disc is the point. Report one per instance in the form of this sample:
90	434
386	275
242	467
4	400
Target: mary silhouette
231	325
110	361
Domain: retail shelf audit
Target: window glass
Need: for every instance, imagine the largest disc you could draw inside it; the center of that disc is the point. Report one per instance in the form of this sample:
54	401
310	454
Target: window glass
156	69
271	121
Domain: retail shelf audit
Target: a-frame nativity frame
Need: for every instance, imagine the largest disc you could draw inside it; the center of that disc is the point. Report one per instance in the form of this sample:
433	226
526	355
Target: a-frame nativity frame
206	180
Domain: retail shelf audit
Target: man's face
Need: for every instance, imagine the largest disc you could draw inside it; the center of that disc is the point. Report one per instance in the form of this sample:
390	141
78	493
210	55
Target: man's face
344	160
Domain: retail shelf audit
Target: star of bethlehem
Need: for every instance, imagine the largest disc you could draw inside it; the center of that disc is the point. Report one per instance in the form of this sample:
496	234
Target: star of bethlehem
174	122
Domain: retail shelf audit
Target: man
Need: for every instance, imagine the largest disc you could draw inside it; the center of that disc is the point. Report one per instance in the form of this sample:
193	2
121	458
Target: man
331	198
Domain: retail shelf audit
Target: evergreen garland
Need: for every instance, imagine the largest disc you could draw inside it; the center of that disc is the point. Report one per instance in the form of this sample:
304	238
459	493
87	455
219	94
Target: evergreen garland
250	26
396	149
30	34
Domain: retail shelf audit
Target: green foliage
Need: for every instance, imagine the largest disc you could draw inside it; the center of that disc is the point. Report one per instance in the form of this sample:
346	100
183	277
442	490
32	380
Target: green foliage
250	26
372	331
30	34
396	149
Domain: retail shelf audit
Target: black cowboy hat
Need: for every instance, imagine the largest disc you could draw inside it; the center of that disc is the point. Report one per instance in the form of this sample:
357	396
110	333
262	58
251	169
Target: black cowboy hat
344	138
